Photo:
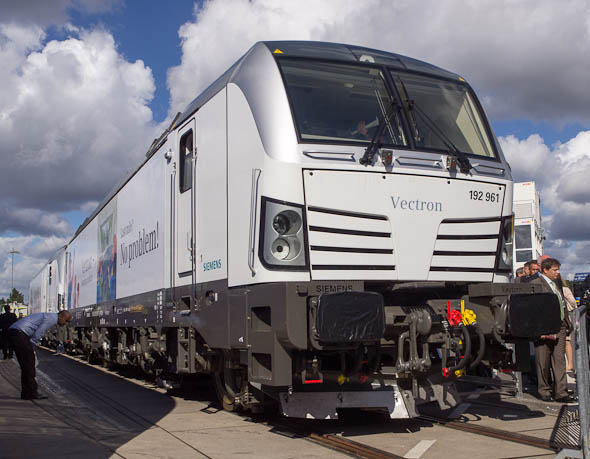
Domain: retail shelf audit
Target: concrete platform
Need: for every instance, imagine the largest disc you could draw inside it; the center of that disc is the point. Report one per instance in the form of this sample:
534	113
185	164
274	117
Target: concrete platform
94	414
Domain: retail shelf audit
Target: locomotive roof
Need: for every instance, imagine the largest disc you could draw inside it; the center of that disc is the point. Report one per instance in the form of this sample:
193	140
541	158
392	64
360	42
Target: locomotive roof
318	50
351	53
296	49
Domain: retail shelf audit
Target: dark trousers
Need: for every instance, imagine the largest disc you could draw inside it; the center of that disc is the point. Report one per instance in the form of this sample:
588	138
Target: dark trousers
550	354
23	348
5	344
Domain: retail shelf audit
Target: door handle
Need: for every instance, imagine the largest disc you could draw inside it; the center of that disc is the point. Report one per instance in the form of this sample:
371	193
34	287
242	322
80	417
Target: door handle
189	243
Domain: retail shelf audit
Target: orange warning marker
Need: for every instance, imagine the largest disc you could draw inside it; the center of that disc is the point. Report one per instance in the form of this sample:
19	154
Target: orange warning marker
277	51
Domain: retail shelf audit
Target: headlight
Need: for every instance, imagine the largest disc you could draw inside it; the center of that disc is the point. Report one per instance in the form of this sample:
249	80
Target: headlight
282	235
281	249
281	224
287	222
505	249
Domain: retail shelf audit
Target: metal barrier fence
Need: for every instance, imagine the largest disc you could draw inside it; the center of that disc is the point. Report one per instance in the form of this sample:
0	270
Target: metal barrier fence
580	321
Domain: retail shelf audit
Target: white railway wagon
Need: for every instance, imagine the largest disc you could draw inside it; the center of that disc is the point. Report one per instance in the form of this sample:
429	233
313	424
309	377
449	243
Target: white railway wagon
528	230
46	290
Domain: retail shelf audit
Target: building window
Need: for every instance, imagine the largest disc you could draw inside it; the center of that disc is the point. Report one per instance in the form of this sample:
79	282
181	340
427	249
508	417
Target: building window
522	256
524	244
522	235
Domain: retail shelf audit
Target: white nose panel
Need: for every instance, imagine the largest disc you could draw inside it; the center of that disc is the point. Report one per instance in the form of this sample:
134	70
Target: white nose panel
368	226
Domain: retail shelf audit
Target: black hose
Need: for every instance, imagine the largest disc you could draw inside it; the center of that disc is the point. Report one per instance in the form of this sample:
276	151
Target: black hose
358	363
376	361
482	346
467	341
228	382
228	377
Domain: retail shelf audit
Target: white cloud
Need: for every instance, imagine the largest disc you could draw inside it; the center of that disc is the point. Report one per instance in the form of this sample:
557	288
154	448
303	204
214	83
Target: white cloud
224	30
89	207
28	221
74	118
74	114
520	56
24	265
528	157
46	13
561	174
574	257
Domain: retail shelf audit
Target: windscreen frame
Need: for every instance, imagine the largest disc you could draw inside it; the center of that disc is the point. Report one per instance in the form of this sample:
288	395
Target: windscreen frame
389	88
405	122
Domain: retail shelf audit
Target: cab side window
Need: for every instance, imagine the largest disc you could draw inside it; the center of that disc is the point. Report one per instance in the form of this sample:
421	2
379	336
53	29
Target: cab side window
186	165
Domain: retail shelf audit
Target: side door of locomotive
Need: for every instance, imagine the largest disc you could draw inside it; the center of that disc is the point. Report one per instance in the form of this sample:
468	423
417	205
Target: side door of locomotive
184	214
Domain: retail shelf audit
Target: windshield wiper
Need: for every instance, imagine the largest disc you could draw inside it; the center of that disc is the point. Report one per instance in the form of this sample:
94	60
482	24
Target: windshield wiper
462	159
376	142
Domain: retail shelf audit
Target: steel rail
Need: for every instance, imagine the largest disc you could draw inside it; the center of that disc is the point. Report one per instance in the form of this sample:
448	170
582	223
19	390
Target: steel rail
350	446
494	433
332	441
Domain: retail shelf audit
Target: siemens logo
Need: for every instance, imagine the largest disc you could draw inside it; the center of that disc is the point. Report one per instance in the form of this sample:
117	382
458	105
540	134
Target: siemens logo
416	204
211	265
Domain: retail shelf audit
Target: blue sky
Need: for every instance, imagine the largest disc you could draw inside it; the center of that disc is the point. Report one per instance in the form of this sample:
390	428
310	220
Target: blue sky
146	30
98	78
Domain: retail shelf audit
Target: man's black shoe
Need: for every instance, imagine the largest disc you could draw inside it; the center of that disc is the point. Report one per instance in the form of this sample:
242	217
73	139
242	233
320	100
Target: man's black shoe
34	397
566	399
546	398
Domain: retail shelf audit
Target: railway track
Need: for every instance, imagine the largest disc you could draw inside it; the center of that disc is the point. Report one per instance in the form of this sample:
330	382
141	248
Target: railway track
500	434
333	441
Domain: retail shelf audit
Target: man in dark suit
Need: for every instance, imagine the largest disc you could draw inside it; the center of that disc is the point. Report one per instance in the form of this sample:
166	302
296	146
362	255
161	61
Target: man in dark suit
6	320
550	349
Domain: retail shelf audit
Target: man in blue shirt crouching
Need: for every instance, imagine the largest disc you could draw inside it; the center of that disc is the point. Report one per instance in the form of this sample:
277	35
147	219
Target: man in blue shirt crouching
23	334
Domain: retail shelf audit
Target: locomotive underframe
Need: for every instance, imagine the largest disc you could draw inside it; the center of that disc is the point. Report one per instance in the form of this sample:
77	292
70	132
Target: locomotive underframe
260	343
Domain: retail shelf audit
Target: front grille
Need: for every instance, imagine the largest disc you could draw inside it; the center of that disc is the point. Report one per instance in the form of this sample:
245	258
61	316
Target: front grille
350	245
466	246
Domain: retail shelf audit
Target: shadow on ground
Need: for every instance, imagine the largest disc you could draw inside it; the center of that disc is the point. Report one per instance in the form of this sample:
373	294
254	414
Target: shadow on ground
89	413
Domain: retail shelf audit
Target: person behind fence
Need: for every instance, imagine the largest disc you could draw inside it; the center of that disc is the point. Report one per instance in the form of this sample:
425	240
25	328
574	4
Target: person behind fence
550	349
534	268
525	269
6	320
571	305
531	272
22	335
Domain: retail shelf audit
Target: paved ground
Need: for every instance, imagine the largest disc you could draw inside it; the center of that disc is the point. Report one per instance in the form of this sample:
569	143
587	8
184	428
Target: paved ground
92	413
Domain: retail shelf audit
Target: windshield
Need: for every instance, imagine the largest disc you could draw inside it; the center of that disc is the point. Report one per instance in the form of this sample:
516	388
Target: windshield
333	102
442	115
